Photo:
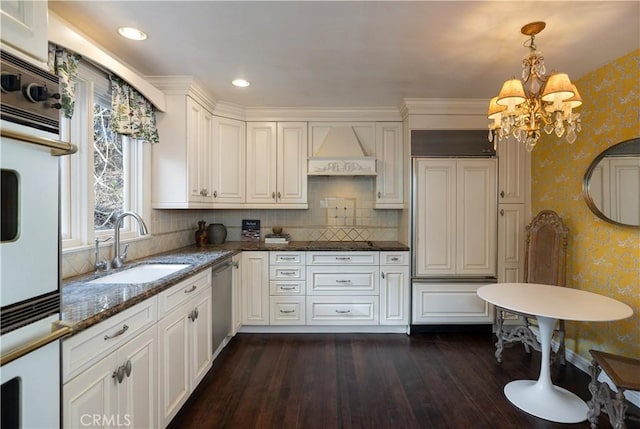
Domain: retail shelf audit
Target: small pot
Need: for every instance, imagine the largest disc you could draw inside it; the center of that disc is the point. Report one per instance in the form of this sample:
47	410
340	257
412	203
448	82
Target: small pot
217	233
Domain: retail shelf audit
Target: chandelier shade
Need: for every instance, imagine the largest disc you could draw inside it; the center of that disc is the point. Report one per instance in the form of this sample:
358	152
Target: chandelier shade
524	106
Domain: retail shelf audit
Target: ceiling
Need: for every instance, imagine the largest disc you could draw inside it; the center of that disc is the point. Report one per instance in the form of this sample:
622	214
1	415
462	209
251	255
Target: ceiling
355	54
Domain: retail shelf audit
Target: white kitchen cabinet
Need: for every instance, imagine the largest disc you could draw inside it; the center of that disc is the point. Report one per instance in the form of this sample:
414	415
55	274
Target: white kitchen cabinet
255	288
513	171
343	288
184	344
23	26
511	242
455	217
182	165
449	303
390	166
394	288
120	389
229	163
236	277
277	164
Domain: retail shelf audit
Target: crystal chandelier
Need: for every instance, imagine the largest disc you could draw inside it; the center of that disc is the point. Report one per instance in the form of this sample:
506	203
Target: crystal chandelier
546	102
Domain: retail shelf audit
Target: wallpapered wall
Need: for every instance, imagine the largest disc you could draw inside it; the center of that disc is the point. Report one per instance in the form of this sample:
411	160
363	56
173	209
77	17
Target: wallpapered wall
602	257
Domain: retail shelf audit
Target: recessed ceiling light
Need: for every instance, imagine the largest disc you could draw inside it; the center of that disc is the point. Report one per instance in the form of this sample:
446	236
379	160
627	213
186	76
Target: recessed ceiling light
132	33
240	83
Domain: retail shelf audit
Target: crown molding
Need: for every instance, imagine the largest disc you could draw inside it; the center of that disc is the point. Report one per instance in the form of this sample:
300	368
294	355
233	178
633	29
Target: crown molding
321	114
183	85
443	106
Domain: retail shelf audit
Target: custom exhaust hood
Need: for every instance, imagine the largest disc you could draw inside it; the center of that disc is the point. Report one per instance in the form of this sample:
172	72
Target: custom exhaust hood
341	154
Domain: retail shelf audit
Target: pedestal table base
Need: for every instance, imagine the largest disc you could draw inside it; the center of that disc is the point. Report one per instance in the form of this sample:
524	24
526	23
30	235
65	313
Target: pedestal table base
548	402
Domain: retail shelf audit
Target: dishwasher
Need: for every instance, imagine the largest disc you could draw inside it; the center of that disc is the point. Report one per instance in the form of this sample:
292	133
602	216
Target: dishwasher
221	303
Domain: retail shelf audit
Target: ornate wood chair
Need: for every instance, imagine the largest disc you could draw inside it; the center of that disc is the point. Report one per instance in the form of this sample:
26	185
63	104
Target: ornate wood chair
545	262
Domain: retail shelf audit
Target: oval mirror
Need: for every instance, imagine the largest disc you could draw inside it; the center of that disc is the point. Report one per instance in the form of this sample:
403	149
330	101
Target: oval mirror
611	185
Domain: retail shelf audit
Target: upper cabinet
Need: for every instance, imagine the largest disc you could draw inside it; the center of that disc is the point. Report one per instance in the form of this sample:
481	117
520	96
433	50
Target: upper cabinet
23	26
513	172
277	164
229	163
181	162
390	160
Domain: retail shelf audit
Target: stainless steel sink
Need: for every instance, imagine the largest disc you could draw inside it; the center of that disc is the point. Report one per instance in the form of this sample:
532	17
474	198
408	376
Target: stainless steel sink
144	273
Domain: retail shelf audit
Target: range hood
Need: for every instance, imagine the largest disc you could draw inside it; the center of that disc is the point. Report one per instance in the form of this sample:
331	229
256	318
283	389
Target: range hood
341	154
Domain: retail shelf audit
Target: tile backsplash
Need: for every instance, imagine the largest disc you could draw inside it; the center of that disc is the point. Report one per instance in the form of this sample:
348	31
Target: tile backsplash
340	209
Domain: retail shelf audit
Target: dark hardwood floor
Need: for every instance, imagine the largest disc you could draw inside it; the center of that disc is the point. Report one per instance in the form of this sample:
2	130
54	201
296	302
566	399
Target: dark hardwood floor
376	381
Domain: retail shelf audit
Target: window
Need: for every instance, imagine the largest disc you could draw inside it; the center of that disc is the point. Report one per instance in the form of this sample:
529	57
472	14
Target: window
107	175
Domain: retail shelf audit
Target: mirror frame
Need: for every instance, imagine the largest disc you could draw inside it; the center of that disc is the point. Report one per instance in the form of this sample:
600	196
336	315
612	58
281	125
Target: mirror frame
587	177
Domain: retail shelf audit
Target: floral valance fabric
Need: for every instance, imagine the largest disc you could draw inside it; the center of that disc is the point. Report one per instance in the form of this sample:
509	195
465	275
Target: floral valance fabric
132	114
64	64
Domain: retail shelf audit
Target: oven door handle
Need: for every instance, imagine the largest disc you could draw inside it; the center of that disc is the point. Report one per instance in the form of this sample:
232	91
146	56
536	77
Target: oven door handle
61	331
58	147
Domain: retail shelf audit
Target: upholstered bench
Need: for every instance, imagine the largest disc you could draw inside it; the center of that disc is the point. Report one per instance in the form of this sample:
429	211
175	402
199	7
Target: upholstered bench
625	374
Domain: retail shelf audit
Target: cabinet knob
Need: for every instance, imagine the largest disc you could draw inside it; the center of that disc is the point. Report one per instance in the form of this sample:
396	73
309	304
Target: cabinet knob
279	195
501	212
382	274
379	194
127	367
501	194
273	195
215	194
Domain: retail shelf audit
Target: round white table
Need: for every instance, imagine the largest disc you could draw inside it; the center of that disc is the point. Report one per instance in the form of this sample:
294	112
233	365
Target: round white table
549	303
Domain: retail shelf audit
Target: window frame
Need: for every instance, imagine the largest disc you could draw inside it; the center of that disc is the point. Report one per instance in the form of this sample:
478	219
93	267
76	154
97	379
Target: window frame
77	200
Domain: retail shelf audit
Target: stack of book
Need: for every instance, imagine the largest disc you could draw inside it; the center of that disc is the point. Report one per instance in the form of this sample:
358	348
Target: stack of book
277	238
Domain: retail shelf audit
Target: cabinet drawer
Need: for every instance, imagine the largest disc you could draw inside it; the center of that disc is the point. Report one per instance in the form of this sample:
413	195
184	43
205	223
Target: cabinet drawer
286	258
280	287
394	258
342	258
339	310
286	273
183	291
343	281
449	303
287	310
87	347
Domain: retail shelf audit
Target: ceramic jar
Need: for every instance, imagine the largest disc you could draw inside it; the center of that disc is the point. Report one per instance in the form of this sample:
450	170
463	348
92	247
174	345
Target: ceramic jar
217	233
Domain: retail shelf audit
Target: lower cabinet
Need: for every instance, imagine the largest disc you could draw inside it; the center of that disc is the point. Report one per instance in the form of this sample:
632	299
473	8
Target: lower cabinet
137	368
118	390
185	349
255	288
443	303
394	288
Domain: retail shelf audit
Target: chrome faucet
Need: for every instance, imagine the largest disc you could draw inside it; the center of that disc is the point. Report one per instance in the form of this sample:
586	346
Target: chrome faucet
101	264
119	258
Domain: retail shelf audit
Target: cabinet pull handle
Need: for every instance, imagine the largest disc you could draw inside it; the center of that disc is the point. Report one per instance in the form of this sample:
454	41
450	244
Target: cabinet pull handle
501	212
287	311
287	258
395	259
343	258
382	275
288	273
118	374
343	281
501	194
343	311
127	368
273	195
379	194
120	332
194	287
287	287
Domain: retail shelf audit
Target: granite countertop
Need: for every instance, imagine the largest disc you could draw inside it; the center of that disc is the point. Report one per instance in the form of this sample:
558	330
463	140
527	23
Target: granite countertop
84	305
